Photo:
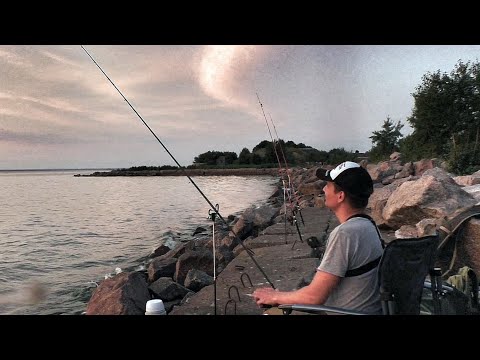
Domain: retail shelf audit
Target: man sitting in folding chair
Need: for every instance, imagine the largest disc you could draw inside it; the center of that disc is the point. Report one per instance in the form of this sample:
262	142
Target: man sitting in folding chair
347	275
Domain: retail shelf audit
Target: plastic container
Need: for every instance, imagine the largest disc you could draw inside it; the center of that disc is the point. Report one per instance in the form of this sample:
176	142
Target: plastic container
155	307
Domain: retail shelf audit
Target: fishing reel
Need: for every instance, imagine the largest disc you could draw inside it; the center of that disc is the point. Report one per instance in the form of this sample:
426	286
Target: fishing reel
317	248
313	242
213	214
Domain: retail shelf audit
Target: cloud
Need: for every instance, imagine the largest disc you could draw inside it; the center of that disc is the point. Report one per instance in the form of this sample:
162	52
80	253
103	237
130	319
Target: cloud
9	55
27	137
227	73
59	59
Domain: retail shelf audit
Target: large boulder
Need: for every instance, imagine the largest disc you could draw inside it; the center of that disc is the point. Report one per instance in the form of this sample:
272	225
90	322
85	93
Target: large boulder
377	201
383	170
312	188
428	197
168	290
473	190
468	180
123	294
201	259
161	267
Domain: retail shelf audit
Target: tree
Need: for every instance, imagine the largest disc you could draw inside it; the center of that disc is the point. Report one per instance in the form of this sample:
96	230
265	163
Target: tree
385	141
256	159
339	155
230	157
210	157
266	152
446	114
244	157
261	145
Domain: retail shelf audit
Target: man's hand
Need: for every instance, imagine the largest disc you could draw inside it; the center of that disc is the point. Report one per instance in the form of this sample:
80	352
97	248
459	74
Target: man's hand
265	296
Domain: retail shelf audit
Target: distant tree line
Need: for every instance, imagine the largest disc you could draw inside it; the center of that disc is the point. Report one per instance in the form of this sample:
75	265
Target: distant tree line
265	155
273	154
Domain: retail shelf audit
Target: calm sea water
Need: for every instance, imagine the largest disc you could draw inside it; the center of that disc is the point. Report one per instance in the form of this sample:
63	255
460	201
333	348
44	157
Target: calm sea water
66	232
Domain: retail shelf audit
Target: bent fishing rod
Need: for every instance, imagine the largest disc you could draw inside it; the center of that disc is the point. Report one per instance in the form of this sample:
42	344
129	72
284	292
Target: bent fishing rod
249	251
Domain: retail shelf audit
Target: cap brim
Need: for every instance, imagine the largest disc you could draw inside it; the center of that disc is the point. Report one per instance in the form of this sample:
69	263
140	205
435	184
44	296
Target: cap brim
322	174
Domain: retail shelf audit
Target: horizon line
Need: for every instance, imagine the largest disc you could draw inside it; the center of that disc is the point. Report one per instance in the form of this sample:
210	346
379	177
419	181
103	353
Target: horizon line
59	169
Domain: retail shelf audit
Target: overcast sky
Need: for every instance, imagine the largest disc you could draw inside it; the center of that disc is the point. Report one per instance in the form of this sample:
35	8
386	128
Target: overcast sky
57	109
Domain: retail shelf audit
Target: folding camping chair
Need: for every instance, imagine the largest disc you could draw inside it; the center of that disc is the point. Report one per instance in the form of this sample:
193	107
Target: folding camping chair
402	274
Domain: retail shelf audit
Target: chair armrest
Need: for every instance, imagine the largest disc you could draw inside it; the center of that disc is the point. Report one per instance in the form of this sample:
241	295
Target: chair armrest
317	309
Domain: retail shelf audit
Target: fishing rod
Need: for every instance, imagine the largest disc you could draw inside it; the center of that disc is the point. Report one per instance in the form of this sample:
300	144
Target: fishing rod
293	207
212	216
271	137
249	251
290	183
274	143
279	166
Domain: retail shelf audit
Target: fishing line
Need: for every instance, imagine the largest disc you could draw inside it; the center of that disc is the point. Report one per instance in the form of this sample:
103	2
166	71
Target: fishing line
249	251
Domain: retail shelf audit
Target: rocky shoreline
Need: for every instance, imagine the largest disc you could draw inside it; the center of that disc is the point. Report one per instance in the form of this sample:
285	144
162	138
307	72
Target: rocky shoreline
410	200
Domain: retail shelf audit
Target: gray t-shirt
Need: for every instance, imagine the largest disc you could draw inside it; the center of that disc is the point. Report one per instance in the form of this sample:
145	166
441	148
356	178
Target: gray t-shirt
351	245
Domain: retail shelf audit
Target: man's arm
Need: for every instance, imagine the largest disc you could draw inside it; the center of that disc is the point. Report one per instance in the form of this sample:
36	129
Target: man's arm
316	292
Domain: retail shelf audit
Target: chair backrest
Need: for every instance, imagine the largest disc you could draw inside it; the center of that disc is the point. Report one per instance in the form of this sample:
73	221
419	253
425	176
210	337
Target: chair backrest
402	271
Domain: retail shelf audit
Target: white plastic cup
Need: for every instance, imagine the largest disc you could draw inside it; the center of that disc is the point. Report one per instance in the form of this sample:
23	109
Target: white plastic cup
155	307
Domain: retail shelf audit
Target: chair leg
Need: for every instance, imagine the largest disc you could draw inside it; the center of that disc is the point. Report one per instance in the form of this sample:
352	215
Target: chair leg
436	281
388	303
287	311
